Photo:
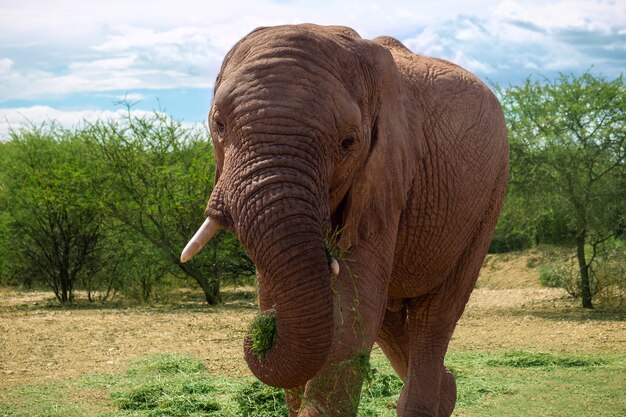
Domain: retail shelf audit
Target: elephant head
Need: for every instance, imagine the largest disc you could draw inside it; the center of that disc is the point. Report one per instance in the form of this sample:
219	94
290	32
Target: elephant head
309	127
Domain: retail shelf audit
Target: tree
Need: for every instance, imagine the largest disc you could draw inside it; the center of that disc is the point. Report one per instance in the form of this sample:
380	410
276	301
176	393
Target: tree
568	149
158	175
56	228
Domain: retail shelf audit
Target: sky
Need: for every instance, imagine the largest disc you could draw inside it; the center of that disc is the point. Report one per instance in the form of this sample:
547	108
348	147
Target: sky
74	60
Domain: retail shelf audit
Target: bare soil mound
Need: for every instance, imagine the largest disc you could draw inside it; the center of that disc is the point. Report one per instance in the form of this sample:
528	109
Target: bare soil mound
511	270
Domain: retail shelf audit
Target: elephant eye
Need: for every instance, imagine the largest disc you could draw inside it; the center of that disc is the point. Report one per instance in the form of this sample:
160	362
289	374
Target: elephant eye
218	123
347	143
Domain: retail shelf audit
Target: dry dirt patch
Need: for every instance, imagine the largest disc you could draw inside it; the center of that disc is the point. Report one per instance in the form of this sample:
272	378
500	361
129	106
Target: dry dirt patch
37	344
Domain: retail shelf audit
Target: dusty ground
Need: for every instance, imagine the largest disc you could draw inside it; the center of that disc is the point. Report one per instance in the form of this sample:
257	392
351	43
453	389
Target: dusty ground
40	341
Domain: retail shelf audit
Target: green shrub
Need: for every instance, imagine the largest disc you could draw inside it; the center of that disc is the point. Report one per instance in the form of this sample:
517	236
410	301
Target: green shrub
609	274
551	277
509	241
554	229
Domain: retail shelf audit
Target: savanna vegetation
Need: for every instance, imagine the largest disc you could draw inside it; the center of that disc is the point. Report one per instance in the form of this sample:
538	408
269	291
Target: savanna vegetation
99	213
107	207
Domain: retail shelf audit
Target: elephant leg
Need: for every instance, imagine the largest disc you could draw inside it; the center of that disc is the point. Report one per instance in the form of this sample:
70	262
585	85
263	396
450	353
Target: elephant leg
447	394
393	339
426	383
360	299
293	398
429	389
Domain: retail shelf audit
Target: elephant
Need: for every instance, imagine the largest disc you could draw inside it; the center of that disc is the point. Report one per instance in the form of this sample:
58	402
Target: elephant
365	182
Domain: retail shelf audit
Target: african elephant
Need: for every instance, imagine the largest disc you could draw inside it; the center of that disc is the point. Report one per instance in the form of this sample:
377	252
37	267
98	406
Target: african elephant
405	157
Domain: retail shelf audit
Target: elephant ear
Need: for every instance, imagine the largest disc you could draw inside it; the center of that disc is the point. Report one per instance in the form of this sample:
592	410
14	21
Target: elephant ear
379	191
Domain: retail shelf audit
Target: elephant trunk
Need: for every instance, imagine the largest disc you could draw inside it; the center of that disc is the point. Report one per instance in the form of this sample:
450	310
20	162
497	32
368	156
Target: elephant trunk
294	284
278	221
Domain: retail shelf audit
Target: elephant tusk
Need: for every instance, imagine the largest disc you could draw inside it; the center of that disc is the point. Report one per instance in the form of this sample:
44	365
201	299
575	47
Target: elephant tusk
200	239
334	267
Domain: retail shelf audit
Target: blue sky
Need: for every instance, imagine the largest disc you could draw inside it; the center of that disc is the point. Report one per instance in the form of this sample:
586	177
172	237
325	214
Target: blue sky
72	60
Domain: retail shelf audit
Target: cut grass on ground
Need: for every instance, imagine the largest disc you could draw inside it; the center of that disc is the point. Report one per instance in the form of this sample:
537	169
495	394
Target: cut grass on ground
489	384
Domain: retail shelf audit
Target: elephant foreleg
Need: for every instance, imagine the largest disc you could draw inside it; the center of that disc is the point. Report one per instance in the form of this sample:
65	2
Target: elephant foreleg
293	398
336	390
360	298
427	384
395	342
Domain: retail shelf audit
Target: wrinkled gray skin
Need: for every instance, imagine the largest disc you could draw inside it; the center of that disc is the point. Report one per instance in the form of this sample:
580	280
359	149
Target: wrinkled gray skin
316	129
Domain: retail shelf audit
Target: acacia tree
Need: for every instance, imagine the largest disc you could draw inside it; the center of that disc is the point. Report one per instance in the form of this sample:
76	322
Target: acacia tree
568	146
157	176
55	227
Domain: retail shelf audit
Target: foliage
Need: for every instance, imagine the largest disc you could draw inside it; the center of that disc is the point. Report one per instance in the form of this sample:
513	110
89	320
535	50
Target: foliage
515	228
608	272
610	275
158	177
6	247
57	228
108	206
553	277
568	150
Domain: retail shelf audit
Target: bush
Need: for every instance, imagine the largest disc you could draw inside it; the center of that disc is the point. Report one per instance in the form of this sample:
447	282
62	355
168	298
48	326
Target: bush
554	229
553	276
607	274
610	276
511	241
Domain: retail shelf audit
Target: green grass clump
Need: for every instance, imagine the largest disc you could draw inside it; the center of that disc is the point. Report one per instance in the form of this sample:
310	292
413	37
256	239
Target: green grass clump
263	333
381	385
537	359
160	399
145	397
260	400
166	364
167	385
379	394
524	384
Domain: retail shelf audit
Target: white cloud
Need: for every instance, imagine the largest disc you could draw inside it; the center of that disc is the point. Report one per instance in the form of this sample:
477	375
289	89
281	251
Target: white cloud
36	115
426	43
471	64
62	47
5	65
131	97
470	31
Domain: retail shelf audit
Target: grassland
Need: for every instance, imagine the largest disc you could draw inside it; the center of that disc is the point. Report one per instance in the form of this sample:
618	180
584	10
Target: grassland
519	350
